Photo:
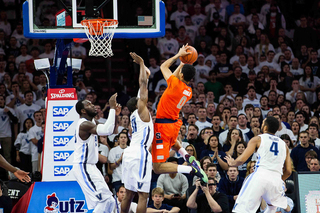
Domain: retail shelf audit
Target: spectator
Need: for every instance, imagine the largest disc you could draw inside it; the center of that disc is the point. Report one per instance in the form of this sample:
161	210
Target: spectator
300	118
313	130
121	193
298	153
157	205
286	138
234	136
23	57
198	18
236	19
274	20
309	84
282	130
27	109
255	25
8	116
250	168
16	99
202	122
304	35
115	160
210	200
177	17
34	135
168	46
213	172
202	71
314	165
231	185
183	38
191	29
262	48
174	186
48	53
203	36
314	63
216	125
214	151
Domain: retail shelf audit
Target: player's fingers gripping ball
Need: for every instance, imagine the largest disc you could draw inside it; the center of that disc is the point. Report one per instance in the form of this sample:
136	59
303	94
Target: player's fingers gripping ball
190	58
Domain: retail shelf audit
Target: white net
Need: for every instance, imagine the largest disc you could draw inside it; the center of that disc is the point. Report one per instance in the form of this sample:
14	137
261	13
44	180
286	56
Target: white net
100	33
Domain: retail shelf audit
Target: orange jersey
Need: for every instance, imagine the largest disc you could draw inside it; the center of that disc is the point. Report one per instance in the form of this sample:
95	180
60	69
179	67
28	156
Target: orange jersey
173	98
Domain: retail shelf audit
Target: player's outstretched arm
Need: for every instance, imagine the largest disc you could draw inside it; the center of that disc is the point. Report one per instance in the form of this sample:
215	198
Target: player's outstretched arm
143	91
166	72
252	145
101	129
21	175
287	166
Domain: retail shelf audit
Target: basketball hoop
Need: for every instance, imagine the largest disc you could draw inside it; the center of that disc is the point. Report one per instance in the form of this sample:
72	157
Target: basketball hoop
100	33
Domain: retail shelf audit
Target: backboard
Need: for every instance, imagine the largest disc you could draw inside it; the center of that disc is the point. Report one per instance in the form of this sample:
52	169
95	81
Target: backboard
60	19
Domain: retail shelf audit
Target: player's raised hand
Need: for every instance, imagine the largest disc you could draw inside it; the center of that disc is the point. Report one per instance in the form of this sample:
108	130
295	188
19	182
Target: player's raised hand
113	101
229	160
22	176
183	51
136	58
118	109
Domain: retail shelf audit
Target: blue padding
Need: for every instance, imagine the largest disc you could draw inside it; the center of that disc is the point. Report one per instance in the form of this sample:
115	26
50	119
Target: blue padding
68	195
28	34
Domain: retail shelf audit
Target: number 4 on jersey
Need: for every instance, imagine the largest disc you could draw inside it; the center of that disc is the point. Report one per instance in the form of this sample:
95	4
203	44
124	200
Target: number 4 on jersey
274	148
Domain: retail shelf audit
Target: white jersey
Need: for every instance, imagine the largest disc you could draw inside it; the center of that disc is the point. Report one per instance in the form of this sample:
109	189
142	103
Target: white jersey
142	132
271	153
137	160
85	151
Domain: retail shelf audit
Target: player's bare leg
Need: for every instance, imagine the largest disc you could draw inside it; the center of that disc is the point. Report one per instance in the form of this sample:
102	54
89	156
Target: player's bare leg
125	204
167	167
142	203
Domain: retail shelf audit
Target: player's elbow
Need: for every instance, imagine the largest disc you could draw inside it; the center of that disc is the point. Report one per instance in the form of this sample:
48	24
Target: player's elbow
191	205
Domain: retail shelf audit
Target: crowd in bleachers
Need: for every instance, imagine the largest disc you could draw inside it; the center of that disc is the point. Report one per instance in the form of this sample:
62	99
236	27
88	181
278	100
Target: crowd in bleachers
254	61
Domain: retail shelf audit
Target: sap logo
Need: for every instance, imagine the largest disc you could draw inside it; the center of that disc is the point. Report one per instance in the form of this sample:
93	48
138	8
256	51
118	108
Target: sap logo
61	126
61	140
71	205
61	170
61	111
61	155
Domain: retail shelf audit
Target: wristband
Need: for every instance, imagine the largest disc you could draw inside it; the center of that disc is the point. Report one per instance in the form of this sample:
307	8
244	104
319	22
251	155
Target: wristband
116	163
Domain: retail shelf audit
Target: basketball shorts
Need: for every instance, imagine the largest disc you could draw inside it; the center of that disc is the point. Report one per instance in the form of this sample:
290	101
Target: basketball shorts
261	184
166	132
137	172
92	183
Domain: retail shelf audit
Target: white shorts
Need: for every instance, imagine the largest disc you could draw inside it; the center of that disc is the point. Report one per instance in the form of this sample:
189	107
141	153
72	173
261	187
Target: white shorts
261	184
92	183
136	173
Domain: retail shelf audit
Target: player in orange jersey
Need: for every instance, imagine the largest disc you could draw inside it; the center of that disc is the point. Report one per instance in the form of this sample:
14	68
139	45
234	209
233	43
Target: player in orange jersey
167	124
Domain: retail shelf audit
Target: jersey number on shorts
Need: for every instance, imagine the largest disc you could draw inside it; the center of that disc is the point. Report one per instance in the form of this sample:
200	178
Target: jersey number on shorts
182	101
134	125
274	148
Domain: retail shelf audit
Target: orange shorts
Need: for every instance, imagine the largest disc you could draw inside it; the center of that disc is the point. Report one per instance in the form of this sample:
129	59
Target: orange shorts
166	132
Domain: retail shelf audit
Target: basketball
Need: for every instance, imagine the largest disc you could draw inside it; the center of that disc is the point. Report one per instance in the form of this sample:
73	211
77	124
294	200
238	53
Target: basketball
191	58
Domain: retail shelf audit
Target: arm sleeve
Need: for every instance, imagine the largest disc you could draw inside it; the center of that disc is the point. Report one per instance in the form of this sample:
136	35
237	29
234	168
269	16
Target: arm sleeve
108	127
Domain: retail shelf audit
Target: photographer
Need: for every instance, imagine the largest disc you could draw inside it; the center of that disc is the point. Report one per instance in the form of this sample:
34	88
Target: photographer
214	202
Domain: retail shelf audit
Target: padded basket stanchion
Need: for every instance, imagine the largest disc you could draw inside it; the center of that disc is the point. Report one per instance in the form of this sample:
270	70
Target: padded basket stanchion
100	33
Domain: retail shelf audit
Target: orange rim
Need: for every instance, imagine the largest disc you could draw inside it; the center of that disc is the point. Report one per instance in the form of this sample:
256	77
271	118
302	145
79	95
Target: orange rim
94	25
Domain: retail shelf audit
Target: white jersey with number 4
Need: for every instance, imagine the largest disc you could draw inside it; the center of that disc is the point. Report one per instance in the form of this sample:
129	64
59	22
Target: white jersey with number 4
271	153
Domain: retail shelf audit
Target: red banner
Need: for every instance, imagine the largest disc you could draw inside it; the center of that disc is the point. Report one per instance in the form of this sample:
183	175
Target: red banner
62	94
